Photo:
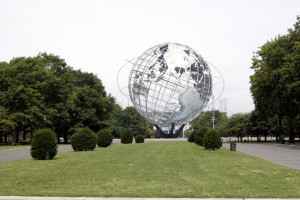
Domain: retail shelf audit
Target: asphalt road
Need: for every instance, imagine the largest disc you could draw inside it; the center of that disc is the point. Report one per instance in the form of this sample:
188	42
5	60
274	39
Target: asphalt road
285	155
24	153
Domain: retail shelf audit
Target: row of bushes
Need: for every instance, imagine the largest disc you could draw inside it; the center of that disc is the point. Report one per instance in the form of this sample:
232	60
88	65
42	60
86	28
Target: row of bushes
44	141
208	138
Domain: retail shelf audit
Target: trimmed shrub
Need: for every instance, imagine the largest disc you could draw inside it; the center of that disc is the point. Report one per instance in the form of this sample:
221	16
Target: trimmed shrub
191	136
43	145
157	134
139	139
212	140
84	139
104	138
198	137
126	137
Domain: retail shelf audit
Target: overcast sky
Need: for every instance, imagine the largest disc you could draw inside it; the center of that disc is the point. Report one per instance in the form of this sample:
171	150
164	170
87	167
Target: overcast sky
98	36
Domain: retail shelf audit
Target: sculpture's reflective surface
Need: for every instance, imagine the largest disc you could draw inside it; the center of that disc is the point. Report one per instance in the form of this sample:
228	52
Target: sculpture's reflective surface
170	83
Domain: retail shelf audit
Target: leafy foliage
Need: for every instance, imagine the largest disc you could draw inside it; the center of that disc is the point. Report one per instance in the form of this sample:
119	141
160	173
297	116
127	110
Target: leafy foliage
198	137
84	139
204	120
43	91
126	137
212	140
139	139
237	125
104	138
191	137
275	85
43	144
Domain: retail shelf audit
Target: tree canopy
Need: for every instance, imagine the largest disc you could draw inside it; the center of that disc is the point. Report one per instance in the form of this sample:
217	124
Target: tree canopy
44	92
275	84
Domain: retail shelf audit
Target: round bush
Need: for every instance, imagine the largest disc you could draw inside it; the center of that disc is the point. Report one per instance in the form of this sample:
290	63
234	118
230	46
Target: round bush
212	140
104	138
198	137
84	139
43	145
191	136
126	137
139	139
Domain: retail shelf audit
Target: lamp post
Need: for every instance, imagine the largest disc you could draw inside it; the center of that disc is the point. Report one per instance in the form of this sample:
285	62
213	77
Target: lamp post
213	112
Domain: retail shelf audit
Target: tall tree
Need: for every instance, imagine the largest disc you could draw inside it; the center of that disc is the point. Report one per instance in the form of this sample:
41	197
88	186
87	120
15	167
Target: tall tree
237	125
205	120
43	91
275	85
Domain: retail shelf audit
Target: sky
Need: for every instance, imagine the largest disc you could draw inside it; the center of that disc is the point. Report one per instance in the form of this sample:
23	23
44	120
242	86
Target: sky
99	36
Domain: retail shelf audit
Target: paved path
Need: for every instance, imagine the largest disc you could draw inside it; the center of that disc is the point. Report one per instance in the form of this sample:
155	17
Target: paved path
285	155
24	153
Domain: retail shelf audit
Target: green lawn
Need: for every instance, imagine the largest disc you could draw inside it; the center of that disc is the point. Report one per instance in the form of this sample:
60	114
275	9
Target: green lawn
157	169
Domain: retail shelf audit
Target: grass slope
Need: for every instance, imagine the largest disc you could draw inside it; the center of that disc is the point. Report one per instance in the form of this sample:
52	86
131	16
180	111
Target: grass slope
161	169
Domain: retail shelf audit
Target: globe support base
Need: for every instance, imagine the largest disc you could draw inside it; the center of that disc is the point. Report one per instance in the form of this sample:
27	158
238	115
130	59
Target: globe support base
171	132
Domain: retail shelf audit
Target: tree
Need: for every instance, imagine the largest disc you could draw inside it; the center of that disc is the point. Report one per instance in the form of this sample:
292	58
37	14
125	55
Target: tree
199	135
237	125
43	145
260	125
44	92
84	139
104	138
129	118
126	137
205	119
212	140
275	85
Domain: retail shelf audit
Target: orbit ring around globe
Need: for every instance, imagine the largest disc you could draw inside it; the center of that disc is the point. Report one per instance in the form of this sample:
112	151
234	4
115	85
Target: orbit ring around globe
170	83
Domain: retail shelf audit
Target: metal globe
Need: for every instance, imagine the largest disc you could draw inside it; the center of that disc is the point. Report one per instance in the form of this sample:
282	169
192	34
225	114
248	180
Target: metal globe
170	83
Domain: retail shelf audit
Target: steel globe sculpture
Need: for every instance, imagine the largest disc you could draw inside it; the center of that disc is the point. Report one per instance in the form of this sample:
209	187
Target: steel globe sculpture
170	84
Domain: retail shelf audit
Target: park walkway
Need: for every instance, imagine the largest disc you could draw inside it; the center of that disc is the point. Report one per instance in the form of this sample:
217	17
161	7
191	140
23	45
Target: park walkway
286	155
24	153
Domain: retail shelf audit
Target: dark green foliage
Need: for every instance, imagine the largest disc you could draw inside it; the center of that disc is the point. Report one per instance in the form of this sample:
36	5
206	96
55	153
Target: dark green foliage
129	118
204	119
191	136
44	92
275	85
212	140
139	139
83	140
43	144
104	138
198	137
127	137
157	134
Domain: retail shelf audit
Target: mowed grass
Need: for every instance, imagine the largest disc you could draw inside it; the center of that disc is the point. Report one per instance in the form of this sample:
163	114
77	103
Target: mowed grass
158	169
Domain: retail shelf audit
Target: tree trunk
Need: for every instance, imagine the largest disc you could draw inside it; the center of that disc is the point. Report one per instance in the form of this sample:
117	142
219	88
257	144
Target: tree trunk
30	136
65	138
258	136
5	138
279	127
24	136
14	138
17	137
1	140
58	140
292	133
